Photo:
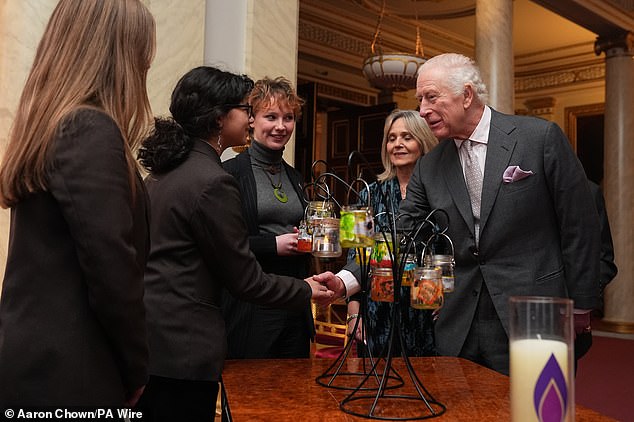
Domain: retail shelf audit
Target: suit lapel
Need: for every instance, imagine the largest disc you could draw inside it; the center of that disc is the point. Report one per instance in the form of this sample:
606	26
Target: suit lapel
455	182
499	150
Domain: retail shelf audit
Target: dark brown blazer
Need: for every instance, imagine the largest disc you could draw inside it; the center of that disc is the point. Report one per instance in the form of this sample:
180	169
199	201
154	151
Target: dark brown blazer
199	246
72	324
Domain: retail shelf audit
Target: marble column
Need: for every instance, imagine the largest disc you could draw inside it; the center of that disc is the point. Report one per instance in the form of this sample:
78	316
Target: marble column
256	37
494	51
619	174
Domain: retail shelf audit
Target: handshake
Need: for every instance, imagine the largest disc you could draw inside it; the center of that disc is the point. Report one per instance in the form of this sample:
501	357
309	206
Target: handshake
326	288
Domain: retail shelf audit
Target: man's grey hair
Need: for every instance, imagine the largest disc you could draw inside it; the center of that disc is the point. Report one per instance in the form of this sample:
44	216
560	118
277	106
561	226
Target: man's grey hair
461	71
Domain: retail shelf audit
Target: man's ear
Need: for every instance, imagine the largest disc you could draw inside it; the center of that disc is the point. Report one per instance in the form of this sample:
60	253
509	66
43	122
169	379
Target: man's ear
467	96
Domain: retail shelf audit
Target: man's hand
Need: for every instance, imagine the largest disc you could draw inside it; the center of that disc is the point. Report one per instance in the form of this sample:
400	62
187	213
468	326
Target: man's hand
333	283
321	294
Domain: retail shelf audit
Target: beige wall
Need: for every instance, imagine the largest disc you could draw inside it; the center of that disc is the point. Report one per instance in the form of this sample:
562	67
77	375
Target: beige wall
17	48
180	38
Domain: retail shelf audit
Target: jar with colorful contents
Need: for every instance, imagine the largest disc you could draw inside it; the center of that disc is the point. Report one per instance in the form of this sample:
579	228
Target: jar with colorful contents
408	270
445	263
304	238
382	285
380	256
326	238
426	291
356	228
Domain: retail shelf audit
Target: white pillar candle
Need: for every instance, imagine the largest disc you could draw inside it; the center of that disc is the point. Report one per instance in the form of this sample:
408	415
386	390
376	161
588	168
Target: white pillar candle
539	381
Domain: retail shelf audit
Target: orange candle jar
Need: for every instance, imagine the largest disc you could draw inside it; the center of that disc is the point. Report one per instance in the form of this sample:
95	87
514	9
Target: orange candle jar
382	289
426	291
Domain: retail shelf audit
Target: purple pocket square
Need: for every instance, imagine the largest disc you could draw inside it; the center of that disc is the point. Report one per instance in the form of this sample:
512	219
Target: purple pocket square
514	173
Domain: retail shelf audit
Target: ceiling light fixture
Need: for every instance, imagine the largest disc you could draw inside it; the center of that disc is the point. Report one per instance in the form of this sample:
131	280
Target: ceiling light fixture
392	71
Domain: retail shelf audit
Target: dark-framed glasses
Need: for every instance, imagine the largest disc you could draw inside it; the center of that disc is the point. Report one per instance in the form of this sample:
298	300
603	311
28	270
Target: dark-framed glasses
246	107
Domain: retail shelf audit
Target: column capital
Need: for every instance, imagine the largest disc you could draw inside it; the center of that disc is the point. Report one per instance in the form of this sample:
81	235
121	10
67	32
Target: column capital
621	44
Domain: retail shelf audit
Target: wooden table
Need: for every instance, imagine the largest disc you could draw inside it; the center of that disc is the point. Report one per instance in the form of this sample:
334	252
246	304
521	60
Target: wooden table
286	390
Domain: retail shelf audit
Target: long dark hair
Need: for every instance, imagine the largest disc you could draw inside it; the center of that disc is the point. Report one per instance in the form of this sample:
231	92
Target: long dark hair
199	99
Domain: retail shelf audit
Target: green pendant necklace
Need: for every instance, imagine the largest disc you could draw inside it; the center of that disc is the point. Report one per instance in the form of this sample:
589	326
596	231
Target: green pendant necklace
279	194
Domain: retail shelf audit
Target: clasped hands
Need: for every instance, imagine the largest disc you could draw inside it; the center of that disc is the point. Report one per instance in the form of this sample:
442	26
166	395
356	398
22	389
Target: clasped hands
326	288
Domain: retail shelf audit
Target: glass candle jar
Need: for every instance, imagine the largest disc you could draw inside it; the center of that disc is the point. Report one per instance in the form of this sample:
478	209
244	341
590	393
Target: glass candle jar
426	291
356	227
304	238
382	285
316	210
446	265
408	270
326	238
380	256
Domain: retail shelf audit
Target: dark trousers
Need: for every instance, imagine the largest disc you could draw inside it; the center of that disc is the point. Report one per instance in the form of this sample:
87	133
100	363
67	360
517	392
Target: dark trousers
274	334
172	400
487	343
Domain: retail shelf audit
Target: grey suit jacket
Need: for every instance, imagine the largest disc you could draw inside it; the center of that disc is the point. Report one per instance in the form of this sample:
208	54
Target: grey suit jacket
199	245
538	236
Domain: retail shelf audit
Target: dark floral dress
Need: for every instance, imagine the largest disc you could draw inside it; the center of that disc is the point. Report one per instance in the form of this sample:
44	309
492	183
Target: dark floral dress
416	324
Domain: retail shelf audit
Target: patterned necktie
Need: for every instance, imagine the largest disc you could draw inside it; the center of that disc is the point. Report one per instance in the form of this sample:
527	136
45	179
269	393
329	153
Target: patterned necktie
473	177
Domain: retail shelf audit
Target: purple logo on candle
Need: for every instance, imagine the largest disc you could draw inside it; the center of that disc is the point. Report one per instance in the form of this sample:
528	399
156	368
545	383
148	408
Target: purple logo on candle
551	393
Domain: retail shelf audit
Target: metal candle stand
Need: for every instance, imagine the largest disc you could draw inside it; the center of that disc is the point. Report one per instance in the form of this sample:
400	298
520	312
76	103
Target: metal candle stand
370	404
335	371
384	385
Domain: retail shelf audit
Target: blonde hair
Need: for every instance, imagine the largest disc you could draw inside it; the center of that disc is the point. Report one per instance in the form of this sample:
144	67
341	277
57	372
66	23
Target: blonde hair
417	127
280	90
94	53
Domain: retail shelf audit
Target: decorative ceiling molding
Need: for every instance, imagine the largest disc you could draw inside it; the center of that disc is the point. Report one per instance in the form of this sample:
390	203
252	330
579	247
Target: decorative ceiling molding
624	4
599	16
422	9
560	78
322	35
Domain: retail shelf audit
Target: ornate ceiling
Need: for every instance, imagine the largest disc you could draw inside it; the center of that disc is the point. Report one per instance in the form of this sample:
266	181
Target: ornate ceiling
422	9
550	50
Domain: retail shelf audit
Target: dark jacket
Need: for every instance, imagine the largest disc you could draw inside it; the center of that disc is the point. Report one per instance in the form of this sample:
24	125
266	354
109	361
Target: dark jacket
72	324
239	314
538	235
199	246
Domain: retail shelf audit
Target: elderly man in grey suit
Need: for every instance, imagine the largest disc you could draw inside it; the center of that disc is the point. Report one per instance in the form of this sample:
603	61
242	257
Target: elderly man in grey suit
518	205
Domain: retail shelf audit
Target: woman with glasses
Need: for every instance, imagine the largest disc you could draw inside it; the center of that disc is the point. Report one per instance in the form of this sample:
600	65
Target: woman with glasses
199	245
272	206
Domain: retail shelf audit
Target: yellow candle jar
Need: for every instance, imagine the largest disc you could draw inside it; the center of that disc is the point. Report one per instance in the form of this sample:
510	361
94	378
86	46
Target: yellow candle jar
356	227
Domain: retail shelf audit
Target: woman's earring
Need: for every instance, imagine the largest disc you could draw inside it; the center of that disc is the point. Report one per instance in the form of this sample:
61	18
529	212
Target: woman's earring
220	142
